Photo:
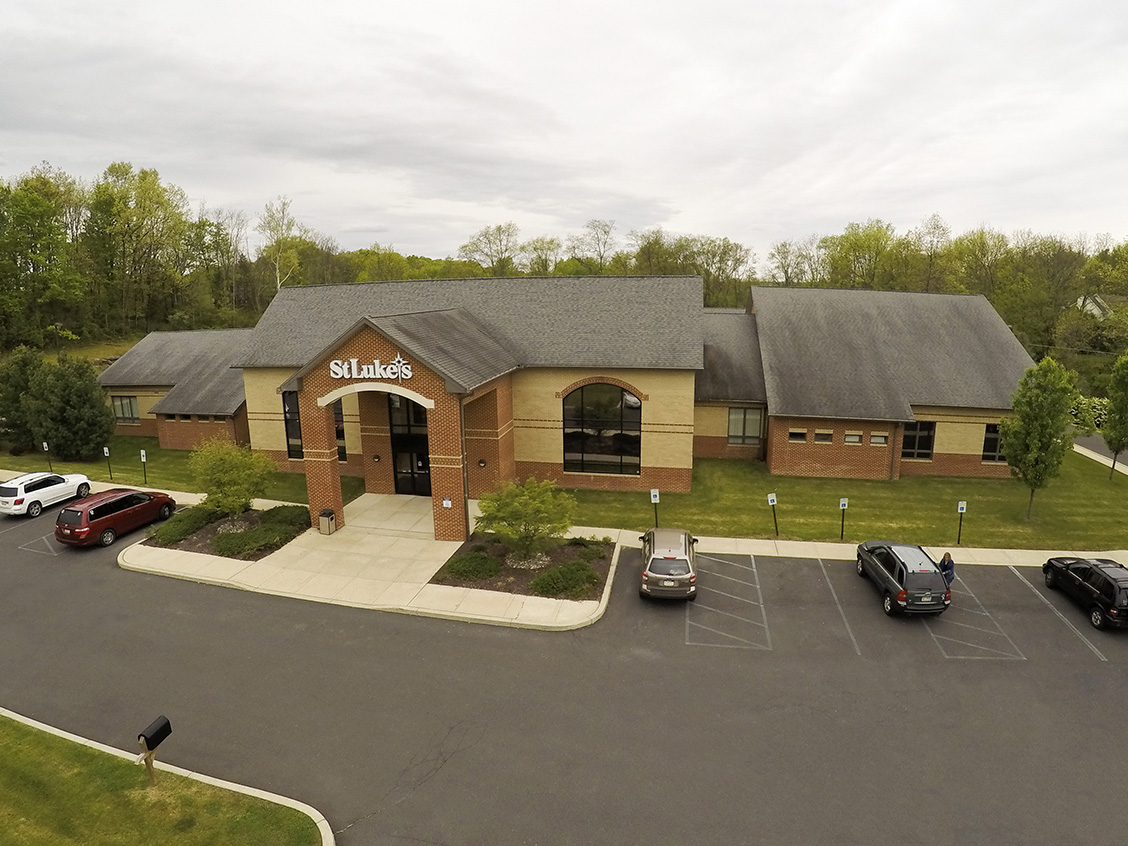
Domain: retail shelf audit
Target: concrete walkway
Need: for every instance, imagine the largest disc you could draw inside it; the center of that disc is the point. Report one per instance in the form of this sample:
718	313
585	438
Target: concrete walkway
385	556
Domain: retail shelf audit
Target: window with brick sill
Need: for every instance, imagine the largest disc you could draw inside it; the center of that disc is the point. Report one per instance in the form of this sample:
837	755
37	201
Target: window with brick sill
992	444
125	409
917	440
797	436
824	438
852	438
745	425
879	440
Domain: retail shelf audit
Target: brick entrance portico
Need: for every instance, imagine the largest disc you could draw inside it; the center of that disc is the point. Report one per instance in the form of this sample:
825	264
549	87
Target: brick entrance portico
320	386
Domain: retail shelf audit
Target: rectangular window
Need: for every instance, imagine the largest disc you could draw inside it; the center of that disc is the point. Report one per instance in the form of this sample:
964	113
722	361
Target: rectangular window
852	438
824	437
293	423
918	439
744	425
187	418
339	425
992	444
798	436
879	439
125	409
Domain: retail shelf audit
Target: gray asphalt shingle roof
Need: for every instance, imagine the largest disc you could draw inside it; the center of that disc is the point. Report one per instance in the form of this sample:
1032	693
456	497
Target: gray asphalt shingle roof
641	322
871	355
733	369
197	363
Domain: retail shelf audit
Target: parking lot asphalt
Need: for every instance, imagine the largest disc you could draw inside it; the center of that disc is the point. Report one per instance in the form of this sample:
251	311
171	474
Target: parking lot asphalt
781	707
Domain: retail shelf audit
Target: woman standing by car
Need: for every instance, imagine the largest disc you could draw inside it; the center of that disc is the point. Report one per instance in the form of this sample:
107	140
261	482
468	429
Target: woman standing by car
948	569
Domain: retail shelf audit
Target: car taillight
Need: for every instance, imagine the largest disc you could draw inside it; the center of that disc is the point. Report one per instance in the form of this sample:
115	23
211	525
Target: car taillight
692	578
18	501
85	531
948	595
901	596
645	576
1112	612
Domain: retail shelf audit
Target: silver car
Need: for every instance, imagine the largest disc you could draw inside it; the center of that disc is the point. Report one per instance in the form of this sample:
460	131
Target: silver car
669	564
909	581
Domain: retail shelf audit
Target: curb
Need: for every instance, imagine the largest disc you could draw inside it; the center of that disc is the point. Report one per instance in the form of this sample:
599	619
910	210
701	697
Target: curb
327	837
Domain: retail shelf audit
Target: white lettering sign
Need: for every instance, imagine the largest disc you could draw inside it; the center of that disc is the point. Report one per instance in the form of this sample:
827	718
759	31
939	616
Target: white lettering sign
351	368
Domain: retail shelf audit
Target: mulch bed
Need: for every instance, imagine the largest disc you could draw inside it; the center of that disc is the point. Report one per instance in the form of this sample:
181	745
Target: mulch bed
515	579
201	540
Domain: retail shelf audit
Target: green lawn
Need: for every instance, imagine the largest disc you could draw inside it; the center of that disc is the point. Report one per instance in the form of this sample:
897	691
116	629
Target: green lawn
54	792
163	468
1081	509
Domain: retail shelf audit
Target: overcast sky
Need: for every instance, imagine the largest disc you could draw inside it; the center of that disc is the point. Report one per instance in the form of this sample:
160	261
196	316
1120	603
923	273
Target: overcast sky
417	123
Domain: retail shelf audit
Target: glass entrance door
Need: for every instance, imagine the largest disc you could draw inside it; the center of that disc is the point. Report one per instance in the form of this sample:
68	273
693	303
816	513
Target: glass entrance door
410	456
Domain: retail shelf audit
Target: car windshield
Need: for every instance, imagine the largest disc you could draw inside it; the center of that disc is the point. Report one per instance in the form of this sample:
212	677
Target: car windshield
4	491
924	581
669	567
70	517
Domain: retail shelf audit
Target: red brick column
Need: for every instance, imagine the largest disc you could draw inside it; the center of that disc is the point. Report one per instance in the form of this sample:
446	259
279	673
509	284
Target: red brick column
322	469
444	442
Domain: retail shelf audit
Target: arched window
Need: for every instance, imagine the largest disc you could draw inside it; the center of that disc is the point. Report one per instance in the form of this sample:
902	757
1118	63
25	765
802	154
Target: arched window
602	430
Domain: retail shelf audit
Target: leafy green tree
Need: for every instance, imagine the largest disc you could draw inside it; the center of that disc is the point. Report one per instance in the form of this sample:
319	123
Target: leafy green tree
281	231
1035	438
1114	430
230	476
860	256
20	377
68	410
528	517
495	248
541	255
594	247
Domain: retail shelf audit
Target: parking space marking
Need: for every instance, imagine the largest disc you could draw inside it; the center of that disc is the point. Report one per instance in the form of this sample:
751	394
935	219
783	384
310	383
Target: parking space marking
750	627
1060	616
977	624
841	610
43	546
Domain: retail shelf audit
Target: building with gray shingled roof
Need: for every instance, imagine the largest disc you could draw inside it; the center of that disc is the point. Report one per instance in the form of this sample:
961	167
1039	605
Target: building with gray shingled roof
448	387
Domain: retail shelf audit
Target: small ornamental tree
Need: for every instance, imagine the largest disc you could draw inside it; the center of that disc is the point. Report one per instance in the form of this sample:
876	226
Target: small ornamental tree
528	518
1037	436
1114	429
231	476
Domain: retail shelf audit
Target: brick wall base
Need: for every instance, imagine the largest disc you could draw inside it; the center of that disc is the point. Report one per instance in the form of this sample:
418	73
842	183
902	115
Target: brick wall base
706	446
672	479
956	465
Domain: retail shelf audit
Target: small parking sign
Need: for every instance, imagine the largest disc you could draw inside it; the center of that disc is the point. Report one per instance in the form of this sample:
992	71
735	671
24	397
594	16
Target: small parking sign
961	506
654	495
842	503
771	499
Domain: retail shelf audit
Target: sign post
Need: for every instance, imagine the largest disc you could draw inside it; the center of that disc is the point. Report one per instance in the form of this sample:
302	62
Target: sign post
144	467
842	503
961	507
47	450
772	503
654	499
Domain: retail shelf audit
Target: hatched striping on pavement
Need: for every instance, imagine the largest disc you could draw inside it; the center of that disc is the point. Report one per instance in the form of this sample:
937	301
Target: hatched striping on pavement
967	630
729	609
46	545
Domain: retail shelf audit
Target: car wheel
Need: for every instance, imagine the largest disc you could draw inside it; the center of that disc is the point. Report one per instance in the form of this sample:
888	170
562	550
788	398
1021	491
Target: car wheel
1096	618
83	490
887	605
861	568
108	537
34	509
1051	579
165	512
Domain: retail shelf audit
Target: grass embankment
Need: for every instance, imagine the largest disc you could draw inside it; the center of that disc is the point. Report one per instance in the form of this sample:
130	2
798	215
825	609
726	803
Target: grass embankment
164	468
54	792
1081	509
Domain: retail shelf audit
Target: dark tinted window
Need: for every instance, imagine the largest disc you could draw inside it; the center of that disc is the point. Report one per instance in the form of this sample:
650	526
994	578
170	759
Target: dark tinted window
602	430
9	492
669	567
917	441
135	499
108	508
70	517
925	581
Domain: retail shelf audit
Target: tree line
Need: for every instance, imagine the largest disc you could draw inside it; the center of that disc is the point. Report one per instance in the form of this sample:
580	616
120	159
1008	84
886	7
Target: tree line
126	254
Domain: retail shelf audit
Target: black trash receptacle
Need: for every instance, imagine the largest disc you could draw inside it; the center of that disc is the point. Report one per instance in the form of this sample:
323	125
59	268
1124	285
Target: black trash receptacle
328	521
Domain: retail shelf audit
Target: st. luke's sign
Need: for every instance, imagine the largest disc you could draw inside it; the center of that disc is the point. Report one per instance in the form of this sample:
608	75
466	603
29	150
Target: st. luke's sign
351	368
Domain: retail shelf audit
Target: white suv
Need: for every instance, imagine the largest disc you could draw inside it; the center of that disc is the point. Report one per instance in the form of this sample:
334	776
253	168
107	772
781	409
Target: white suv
27	494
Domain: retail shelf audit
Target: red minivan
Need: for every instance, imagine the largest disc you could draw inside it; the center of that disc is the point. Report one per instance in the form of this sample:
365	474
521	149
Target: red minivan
101	517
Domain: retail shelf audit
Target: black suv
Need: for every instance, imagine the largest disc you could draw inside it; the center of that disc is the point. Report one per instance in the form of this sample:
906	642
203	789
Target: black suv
1099	585
908	580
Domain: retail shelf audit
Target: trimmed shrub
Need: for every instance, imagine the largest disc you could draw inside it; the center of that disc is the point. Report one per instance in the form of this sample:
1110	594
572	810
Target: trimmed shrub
183	524
569	581
277	527
475	565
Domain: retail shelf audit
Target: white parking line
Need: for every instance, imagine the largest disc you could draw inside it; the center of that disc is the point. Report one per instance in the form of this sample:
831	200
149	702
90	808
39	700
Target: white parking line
841	611
1049	605
38	545
695	610
998	654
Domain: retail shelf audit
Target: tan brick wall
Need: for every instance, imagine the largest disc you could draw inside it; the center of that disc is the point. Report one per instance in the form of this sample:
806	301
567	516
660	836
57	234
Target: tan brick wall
147	397
264	408
667	415
955	465
710	435
672	479
489	437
